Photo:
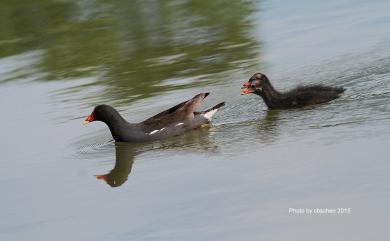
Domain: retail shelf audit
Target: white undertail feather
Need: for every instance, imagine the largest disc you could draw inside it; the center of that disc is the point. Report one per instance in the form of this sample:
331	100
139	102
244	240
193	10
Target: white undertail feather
209	115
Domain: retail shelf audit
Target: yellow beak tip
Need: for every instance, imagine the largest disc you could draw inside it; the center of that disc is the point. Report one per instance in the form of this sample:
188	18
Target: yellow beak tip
85	122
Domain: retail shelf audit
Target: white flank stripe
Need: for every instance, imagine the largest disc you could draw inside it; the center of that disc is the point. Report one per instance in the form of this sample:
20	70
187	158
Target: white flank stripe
181	123
151	133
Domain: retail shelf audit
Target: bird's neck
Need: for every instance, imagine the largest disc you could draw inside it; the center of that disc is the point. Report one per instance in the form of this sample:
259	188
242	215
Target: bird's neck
116	123
269	94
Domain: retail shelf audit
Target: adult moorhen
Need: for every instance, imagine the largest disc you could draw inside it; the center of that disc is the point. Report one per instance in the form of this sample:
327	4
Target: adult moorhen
171	122
301	96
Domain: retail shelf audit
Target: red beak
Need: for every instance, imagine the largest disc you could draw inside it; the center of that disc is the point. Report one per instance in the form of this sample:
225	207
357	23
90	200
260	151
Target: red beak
246	88
103	177
90	118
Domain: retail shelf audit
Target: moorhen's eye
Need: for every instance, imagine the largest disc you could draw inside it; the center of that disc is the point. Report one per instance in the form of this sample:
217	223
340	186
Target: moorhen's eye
255	83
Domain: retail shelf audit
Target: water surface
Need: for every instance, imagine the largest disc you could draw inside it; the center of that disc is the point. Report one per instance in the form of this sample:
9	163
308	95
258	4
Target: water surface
235	180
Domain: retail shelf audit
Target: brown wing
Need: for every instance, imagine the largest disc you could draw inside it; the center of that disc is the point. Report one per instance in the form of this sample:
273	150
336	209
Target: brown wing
179	113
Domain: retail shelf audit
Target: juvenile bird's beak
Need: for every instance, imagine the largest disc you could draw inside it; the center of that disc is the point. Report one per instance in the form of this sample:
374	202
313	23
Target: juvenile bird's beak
247	88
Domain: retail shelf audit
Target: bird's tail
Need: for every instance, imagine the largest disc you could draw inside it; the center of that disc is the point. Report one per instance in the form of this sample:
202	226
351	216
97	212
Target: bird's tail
210	112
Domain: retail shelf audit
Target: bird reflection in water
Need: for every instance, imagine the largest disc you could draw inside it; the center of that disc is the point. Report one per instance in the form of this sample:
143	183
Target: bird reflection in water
125	153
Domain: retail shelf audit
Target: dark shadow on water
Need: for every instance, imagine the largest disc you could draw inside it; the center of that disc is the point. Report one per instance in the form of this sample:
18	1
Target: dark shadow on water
125	153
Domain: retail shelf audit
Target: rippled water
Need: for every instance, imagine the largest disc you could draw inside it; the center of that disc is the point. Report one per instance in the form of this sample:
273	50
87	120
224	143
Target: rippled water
235	180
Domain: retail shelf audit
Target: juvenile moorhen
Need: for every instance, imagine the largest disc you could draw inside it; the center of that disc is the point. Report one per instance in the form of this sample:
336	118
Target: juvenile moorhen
301	96
171	122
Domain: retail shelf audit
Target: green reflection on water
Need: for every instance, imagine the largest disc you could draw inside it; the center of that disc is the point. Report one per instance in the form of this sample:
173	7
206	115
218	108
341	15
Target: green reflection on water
133	46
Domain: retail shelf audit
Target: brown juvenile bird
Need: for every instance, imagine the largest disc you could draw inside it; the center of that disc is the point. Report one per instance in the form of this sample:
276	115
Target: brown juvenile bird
301	96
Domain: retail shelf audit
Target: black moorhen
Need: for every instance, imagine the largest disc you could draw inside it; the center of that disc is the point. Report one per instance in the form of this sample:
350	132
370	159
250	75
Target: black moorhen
171	122
301	96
